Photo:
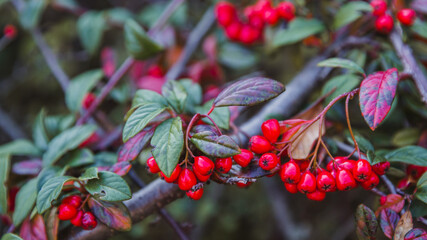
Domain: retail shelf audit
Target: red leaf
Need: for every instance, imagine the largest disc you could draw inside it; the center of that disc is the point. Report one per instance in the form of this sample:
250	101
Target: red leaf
416	234
113	214
108	61
388	221
394	201
120	168
134	145
34	229
376	95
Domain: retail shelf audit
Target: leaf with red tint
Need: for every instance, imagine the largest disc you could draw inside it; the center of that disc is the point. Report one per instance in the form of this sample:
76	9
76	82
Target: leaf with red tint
33	229
376	95
249	92
108	61
388	221
120	168
134	145
113	214
366	223
27	167
52	223
394	201
416	234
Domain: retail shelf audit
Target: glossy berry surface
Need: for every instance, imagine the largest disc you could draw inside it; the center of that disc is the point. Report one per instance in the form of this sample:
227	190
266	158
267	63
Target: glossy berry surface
286	10
290	172
326	182
259	144
406	16
372	182
152	165
381	168
73	200
379	7
186	179
88	221
334	164
345	180
292	188
195	195
233	31
316	195
268	161
225	13
203	165
243	158
223	165
271	130
77	220
307	183
243	185
249	35
384	24
271	16
347	164
174	176
66	212
202	178
362	170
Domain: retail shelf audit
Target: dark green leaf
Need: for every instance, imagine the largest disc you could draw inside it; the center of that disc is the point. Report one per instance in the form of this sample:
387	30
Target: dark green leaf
90	27
77	158
366	222
175	94
168	143
119	15
4	175
220	115
31	12
24	202
236	57
20	147
50	191
56	124
66	141
80	86
341	63
194	94
249	92
418	208
410	154
364	144
103	159
420	28
10	236
113	214
46	174
350	12
138	43
144	96
342	84
109	187
298	29
216	146
405	137
39	131
90	173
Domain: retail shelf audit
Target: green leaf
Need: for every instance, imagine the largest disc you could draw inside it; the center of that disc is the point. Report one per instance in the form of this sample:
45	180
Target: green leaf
113	214
39	131
405	137
119	15
80	86
90	173
140	118
66	141
421	194
46	174
298	29
77	158
341	63
410	154
4	175
24	201
236	56
50	191
420	28
194	95
342	84
422	181
221	115
31	12
90	28
109	187
144	96
350	12
20	147
138	43
418	208
175	94
216	146
56	124
168	143
11	236
364	144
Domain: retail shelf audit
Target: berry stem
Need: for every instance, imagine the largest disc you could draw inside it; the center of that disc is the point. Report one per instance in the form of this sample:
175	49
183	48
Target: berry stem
347	115
211	110
213	122
84	202
187	135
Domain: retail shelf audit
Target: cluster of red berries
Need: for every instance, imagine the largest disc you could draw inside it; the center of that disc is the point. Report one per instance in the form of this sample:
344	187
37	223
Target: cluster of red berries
10	31
250	29
384	22
70	209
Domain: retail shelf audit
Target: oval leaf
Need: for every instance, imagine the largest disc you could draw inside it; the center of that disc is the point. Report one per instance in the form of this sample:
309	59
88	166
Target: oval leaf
175	94
80	86
388	221
366	222
10	236
410	154
298	29
24	201
249	92
109	187
4	175
52	224
403	226
394	202
341	63
376	95
113	214
138	43
50	192
416	234
90	27
134	145
20	147
216	146
90	173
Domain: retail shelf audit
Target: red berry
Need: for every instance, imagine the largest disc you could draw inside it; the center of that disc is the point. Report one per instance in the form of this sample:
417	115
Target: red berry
88	100
243	158
292	188
286	10
77	220
259	144
316	195
271	16
415	171
379	7
383	200
271	130
155	71
174	176
348	164
152	165
334	164
362	170
9	31
249	35
88	221
233	31
73	200
303	164
384	24
345	180
262	5
372	182
268	161
66	212
223	165
186	179
256	21
381	168
307	184
225	13
326	182
290	172
406	16
203	165
195	195
243	185
202	178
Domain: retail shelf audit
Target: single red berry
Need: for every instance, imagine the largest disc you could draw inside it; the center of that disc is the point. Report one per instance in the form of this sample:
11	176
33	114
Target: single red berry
286	10
383	200
362	170
256	21
271	16
262	5
73	200
243	185
88	100
316	195
415	171
155	71
225	13
152	165
303	164
203	165
243	158
292	188
345	180
174	176
186	179
326	182
384	24
232	31
406	16
259	144
202	178
88	221
372	182
223	165
66	212
271	130
10	31
248	34
307	184
268	161
334	164
290	172
379	7
381	168
348	164
77	220
195	195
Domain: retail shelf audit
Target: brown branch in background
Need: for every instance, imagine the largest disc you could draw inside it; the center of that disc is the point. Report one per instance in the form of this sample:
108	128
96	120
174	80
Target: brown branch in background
9	126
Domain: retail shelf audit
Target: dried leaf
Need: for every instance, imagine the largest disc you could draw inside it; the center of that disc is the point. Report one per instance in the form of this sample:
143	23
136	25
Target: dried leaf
302	143
403	226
